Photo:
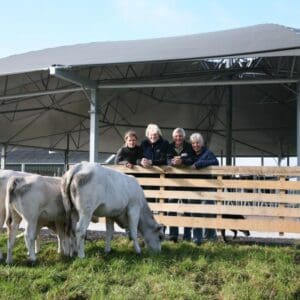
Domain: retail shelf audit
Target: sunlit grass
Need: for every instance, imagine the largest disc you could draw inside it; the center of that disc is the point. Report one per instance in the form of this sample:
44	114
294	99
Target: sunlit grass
182	271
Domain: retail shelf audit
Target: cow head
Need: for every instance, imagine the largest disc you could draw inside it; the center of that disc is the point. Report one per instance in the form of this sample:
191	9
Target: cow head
154	236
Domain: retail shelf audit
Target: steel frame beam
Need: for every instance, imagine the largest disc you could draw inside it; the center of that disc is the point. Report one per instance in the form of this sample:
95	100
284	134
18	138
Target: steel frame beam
229	111
136	85
70	76
94	128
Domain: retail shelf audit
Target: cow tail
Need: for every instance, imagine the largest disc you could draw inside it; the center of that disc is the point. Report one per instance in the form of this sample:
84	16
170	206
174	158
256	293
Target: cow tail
67	200
10	197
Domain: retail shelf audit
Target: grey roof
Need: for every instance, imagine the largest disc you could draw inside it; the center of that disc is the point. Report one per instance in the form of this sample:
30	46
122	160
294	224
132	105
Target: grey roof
259	40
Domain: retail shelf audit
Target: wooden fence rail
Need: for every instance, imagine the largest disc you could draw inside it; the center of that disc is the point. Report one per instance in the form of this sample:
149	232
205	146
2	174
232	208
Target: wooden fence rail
267	197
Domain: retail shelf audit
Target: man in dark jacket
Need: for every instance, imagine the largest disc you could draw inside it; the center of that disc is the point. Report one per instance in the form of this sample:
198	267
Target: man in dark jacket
203	157
180	154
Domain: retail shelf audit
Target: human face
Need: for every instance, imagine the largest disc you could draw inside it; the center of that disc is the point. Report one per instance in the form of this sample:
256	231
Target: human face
178	138
131	142
153	137
196	146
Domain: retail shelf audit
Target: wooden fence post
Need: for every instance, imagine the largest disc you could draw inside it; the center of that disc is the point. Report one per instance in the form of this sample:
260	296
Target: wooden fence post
281	179
219	202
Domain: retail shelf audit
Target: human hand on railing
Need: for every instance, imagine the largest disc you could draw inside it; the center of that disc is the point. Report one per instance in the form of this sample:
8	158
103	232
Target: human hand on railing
176	161
146	163
129	165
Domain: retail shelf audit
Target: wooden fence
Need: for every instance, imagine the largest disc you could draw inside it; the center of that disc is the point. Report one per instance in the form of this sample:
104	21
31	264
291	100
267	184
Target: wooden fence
268	197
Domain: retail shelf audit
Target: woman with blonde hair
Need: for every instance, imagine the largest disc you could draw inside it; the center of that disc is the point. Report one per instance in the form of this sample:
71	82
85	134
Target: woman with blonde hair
155	148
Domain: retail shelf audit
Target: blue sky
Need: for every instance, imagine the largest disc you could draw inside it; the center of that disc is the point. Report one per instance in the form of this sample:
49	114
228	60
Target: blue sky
37	24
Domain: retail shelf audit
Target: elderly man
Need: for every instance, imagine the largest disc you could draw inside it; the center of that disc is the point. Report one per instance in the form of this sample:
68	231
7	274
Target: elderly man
203	157
180	154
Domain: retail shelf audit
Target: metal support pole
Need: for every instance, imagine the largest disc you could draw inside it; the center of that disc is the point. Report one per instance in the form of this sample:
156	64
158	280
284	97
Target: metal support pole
279	160
262	161
94	126
298	123
3	156
66	166
221	156
229	127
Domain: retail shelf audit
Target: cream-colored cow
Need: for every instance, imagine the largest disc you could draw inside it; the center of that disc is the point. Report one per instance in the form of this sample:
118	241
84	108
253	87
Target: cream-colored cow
37	200
90	189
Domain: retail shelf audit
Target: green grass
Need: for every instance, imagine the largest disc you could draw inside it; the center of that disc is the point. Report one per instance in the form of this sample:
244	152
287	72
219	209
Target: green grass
182	271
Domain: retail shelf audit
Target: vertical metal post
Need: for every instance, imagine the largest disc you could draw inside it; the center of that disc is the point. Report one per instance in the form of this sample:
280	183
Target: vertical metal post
279	160
94	126
221	157
66	165
233	154
298	123
229	127
262	159
3	156
23	167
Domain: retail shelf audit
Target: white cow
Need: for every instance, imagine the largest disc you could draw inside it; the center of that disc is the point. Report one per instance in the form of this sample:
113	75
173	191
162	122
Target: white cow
90	189
37	200
4	176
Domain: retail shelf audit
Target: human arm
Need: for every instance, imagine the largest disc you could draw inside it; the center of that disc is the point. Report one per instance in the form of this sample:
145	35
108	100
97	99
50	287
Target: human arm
205	160
119	159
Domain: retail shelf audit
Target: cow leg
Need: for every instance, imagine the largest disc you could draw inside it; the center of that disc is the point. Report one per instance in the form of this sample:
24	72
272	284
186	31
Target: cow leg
12	224
81	227
30	237
133	218
38	240
109	234
61	239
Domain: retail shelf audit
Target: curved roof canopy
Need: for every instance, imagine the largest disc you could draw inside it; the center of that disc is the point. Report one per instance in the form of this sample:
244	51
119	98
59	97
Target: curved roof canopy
184	81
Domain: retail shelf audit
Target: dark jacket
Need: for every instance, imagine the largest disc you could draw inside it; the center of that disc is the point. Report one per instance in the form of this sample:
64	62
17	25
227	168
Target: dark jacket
129	155
205	158
157	152
186	154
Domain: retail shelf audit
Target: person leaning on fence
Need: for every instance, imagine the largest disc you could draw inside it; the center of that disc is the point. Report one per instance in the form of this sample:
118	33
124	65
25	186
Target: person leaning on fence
155	150
180	153
203	157
130	154
154	147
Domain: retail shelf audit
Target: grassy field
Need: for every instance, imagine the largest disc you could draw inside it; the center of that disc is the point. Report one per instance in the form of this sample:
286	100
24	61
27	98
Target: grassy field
182	271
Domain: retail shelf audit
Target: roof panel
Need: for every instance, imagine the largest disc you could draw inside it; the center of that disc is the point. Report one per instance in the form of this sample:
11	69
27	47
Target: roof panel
262	40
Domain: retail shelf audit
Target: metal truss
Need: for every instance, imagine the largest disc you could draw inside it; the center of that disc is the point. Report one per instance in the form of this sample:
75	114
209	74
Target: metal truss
158	81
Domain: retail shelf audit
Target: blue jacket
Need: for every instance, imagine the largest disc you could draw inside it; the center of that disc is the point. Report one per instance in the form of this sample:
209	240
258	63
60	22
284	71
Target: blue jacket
186	154
157	152
205	158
